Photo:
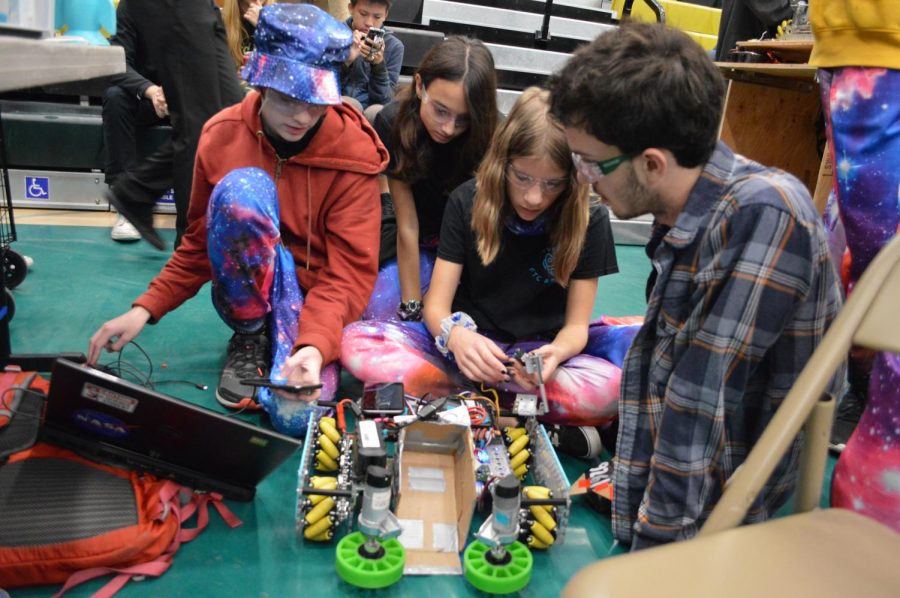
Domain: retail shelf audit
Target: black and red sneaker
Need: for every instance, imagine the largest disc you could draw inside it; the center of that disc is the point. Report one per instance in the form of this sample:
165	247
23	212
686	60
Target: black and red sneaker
248	357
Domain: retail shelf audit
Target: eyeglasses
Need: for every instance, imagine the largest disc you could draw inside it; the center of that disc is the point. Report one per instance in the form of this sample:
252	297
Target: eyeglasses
289	105
594	171
526	181
442	116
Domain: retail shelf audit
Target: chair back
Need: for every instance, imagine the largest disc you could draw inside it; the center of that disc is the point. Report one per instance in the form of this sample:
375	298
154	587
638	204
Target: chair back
870	318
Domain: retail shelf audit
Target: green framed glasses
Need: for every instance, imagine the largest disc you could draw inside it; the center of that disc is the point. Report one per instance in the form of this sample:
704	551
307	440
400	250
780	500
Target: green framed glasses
594	171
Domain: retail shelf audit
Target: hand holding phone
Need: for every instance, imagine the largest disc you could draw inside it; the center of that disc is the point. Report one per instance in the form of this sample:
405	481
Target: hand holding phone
265	382
375	41
375	36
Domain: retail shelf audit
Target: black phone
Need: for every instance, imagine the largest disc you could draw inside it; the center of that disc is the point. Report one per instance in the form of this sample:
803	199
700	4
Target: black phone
375	36
383	399
283	387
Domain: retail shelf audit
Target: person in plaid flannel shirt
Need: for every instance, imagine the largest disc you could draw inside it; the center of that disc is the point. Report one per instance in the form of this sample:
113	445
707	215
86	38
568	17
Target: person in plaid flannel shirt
742	288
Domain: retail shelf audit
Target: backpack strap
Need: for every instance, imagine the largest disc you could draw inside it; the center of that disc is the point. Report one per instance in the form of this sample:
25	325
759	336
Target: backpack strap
171	496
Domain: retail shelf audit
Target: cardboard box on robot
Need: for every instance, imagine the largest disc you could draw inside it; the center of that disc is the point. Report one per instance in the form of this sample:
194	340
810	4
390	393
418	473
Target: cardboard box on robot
436	495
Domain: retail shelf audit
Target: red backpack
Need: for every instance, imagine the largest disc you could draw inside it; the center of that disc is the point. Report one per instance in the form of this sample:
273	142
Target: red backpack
65	518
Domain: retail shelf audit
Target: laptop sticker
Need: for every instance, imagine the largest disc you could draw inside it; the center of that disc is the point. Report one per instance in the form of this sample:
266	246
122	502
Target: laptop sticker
100	424
109	397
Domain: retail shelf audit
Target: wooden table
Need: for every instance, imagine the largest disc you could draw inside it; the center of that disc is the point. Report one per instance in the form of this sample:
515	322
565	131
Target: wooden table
29	63
772	115
796	51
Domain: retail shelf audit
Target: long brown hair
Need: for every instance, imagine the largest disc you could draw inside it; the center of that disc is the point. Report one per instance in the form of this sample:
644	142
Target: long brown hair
454	59
234	31
529	131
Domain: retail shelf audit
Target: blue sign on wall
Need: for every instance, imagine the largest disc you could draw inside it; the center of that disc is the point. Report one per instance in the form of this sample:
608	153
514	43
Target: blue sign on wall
168	197
37	187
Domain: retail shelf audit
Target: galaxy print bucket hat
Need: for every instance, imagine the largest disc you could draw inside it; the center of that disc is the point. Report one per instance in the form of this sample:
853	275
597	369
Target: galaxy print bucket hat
299	52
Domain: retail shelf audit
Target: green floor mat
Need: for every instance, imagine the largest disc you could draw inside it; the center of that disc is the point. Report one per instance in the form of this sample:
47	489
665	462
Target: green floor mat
80	278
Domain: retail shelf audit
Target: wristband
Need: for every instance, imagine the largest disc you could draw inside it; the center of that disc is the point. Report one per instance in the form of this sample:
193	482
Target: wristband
410	311
458	318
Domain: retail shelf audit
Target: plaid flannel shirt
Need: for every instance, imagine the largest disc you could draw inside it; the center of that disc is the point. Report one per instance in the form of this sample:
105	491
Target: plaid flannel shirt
745	291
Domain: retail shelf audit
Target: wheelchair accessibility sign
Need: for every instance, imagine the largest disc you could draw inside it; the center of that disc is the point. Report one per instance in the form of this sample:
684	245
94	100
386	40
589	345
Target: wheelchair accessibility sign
37	187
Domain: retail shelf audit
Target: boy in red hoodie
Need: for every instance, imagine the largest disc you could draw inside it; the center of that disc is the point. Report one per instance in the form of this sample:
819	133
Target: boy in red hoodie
284	219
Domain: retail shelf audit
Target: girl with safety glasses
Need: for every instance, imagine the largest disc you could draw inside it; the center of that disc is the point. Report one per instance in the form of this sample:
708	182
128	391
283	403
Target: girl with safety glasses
436	133
522	247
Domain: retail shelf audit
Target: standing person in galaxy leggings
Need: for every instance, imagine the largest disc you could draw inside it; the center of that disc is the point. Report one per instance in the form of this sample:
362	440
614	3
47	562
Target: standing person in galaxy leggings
857	50
284	220
521	250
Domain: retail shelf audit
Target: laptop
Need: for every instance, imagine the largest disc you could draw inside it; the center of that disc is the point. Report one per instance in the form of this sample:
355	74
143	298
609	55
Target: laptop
109	419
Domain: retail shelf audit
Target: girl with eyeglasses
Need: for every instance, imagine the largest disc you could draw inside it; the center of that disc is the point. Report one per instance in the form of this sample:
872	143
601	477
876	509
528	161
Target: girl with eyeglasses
436	133
522	247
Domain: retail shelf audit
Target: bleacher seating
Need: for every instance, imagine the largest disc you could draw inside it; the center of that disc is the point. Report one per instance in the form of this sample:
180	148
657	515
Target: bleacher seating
70	138
63	142
699	22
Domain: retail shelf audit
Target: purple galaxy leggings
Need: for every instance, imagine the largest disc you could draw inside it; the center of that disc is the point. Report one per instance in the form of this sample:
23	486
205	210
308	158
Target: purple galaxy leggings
386	295
254	281
584	390
862	112
862	109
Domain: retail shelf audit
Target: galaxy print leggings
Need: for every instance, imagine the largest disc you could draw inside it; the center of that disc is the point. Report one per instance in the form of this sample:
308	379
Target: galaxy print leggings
254	282
583	391
862	109
386	295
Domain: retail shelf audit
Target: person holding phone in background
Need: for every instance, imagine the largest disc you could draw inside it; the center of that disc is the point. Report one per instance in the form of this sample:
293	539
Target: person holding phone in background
372	68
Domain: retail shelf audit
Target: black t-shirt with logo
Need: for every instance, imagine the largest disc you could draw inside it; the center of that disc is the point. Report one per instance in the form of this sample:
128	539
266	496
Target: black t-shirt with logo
516	297
429	193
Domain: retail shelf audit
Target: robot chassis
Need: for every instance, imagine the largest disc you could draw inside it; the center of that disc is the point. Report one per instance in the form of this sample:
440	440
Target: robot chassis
346	470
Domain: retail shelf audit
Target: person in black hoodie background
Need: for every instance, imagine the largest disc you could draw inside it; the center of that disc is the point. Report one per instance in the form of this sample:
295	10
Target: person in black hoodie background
133	99
185	41
748	19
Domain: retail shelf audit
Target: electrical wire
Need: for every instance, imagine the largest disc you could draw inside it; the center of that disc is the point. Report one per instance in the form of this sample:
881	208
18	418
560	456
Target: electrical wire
492	391
127	370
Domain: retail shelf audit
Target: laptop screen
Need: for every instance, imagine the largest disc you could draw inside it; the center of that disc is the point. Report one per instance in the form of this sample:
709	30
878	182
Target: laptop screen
93	412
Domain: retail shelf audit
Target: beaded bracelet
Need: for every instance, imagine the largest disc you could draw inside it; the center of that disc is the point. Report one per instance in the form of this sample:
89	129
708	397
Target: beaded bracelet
458	318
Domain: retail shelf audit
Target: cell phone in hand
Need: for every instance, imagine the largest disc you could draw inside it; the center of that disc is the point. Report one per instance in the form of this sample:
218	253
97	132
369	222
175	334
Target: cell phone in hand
375	36
265	382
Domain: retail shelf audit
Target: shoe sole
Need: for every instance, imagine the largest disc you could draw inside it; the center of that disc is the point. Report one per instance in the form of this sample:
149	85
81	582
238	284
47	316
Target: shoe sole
595	444
836	449
147	233
125	238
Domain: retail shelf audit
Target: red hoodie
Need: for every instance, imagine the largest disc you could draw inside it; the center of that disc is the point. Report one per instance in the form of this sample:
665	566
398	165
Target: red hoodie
330	216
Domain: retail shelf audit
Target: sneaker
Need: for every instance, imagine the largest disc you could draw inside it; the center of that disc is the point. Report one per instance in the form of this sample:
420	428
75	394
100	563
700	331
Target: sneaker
124	231
140	215
29	261
248	357
849	412
576	441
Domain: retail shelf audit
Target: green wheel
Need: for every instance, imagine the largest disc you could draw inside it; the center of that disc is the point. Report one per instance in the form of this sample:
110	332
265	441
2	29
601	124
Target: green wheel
365	572
498	578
